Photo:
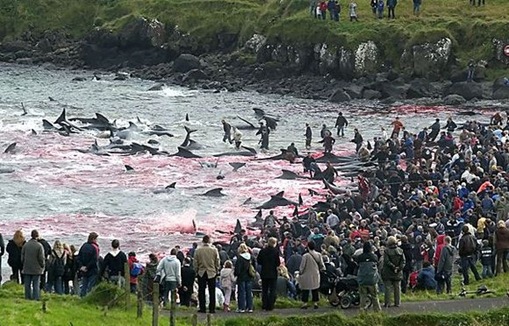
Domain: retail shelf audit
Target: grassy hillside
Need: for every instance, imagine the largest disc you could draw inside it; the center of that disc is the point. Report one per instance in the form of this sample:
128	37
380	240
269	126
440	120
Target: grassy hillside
471	28
70	310
64	310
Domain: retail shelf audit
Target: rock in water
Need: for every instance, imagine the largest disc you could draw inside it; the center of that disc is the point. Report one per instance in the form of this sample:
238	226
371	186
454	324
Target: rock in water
195	75
454	99
339	96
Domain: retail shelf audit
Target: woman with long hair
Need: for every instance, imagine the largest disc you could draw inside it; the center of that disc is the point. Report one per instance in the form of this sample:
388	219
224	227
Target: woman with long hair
244	272
56	268
14	250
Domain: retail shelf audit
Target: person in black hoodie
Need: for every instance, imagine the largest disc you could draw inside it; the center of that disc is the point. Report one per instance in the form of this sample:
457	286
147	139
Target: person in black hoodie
268	259
114	263
186	290
407	269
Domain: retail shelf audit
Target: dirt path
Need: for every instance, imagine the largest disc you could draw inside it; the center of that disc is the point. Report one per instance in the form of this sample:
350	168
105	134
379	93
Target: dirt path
450	306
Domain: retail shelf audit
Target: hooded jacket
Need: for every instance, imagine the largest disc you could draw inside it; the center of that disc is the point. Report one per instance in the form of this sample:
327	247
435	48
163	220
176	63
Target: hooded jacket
242	267
169	269
114	263
367	273
440	246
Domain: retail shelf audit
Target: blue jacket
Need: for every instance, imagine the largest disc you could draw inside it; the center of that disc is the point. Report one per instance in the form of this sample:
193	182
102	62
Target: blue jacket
426	278
89	257
392	3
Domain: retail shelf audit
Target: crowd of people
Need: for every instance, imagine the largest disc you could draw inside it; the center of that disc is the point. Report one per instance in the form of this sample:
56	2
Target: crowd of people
319	9
434	201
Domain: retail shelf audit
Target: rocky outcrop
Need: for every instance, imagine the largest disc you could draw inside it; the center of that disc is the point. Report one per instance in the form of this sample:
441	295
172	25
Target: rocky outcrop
428	60
186	62
500	89
467	90
498	50
339	96
142	33
366	59
454	99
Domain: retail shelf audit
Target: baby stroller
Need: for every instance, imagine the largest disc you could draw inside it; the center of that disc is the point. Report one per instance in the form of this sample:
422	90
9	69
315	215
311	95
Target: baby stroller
345	293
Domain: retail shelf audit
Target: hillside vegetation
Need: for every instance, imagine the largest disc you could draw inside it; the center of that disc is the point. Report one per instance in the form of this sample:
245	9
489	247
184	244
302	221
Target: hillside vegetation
471	28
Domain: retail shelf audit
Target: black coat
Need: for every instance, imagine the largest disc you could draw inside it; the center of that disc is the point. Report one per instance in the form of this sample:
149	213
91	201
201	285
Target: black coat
268	259
14	252
114	264
188	275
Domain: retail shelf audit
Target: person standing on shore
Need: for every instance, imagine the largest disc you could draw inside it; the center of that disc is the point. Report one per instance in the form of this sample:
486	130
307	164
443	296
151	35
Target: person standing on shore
32	257
445	263
14	248
88	258
237	137
207	265
169	269
308	135
309	275
357	139
341	124
227	128
328	142
392	271
368	277
268	259
397	125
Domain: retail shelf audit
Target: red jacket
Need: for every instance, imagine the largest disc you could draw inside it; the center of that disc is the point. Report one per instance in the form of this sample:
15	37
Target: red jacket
438	251
133	279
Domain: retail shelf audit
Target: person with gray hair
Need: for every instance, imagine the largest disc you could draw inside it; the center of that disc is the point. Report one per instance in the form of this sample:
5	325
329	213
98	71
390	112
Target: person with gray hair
32	256
392	271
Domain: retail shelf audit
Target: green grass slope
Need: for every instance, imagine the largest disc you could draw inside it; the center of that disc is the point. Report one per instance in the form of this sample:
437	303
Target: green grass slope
471	28
67	310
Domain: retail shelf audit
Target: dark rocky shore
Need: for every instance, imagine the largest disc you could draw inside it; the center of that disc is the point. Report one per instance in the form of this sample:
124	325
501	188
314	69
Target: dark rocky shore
147	49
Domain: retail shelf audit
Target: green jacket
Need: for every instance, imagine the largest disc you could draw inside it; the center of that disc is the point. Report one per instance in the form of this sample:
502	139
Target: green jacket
393	263
367	273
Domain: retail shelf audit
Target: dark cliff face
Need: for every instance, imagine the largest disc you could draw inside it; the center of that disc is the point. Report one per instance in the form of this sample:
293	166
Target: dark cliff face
325	71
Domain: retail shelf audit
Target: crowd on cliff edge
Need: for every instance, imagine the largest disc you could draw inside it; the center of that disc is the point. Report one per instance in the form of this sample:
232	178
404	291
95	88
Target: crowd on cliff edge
434	202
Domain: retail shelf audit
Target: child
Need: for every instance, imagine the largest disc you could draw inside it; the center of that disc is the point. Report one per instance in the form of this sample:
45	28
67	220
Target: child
353	11
227	282
486	259
380	9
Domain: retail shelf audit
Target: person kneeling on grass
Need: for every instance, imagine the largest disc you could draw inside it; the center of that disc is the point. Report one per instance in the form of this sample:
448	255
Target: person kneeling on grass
426	278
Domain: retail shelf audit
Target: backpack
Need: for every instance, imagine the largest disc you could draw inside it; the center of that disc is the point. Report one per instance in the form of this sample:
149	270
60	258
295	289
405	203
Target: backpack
58	265
251	271
136	269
